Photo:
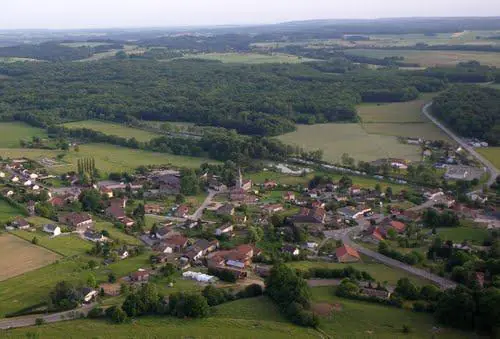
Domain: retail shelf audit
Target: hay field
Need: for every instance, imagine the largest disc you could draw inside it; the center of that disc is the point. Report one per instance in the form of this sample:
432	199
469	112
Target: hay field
110	128
336	139
19	256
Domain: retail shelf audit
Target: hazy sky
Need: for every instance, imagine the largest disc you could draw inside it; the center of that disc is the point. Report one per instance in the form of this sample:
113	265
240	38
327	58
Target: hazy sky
143	13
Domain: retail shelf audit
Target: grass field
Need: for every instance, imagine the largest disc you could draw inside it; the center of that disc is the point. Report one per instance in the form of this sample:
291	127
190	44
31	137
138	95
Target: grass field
13	132
7	211
397	112
492	154
19	256
432	58
419	130
109	54
379	271
109	128
250	58
108	158
356	319
117	234
336	139
9	60
83	44
66	245
459	234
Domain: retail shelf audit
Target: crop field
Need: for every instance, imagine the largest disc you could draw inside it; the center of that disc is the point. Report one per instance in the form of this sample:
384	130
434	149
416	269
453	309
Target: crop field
492	154
19	256
108	54
66	244
109	128
432	58
336	139
357	319
249	58
9	60
7	211
459	234
13	132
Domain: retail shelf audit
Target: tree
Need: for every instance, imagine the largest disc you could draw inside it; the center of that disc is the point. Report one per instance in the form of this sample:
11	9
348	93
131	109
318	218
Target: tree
180	199
111	278
189	182
190	305
456	308
406	289
91	281
63	297
118	315
91	200
34	241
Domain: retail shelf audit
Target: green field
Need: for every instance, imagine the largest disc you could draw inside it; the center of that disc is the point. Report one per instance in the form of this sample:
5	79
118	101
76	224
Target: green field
336	139
459	234
13	132
7	212
432	58
249	58
492	154
9	60
109	128
425	131
83	44
109	54
66	245
117	234
379	271
108	158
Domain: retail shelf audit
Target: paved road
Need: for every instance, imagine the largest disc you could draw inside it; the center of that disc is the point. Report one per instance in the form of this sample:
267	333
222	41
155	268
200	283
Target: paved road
486	163
49	318
208	200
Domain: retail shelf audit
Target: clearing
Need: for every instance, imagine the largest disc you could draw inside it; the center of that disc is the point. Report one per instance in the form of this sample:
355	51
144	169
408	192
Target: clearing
492	154
84	44
20	256
13	132
110	128
432	58
336	139
250	58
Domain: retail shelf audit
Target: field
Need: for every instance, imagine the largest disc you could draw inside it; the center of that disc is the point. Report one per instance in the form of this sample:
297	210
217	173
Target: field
108	158
398	112
250	58
409	130
459	234
432	58
117	234
13	132
108	54
19	256
492	154
7	211
336	139
113	129
9	60
379	271
83	44
67	245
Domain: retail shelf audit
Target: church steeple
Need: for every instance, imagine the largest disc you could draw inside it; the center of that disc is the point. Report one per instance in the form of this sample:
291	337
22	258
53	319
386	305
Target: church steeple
240	178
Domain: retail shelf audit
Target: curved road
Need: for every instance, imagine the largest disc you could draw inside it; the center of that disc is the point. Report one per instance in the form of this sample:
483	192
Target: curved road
494	173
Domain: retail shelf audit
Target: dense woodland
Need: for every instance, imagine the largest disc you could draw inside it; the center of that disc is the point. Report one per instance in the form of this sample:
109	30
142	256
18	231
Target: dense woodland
472	111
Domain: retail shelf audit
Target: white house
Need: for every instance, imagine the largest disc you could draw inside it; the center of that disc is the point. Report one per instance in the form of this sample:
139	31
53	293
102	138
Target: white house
33	176
123	254
35	187
224	230
28	183
15	179
52	229
88	294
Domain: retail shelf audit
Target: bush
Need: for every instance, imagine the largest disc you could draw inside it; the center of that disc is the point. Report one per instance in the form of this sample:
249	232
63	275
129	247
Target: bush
253	290
188	305
96	312
39	321
118	315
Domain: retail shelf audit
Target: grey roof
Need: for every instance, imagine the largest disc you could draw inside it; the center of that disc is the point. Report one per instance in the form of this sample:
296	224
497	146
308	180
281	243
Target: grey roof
50	227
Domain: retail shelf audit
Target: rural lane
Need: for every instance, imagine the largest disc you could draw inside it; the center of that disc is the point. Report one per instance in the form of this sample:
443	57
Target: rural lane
491	168
30	320
208	200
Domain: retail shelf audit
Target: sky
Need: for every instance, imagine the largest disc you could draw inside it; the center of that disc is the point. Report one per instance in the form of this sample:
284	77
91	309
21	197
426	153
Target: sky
67	14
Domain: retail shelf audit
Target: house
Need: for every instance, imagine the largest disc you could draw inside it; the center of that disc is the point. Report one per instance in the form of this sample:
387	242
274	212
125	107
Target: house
20	223
118	202
153	208
240	219
206	246
93	236
174	244
128	222
226	209
52	229
314	216
182	211
164	233
433	194
139	276
27	183
289	196
116	212
372	292
2	174
398	226
237	194
374	235
270	184
239	257
398	163
194	254
122	253
351	213
224	230
88	294
106	191
216	185
272	208
79	221
168	182
110	185
347	254
311	245
317	204
15	179
290	249
355	189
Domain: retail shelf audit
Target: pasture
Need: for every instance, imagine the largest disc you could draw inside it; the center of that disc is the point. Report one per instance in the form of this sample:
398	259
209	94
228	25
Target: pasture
475	235
7	211
249	58
432	58
115	233
66	244
109	54
425	130
337	139
13	132
396	112
19	256
492	154
116	129
83	44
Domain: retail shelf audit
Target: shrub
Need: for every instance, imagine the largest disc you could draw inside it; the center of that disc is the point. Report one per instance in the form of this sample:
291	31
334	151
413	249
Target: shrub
39	321
96	312
118	315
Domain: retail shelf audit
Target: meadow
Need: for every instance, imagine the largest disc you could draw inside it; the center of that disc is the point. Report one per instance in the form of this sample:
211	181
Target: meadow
397	112
249	58
337	139
83	44
13	132
116	129
425	130
432	58
109	54
66	245
19	256
492	154
7	212
459	234
117	234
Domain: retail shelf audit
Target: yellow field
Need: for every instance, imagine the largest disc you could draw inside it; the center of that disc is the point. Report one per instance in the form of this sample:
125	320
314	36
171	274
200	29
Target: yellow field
18	256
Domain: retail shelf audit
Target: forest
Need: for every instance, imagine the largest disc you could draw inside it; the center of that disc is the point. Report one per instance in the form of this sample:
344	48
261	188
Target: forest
472	111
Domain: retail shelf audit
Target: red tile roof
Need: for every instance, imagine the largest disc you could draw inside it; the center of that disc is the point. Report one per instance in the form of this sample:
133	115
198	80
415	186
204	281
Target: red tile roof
345	249
397	225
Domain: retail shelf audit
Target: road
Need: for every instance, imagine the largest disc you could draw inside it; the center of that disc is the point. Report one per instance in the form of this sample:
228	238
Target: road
486	163
208	200
48	318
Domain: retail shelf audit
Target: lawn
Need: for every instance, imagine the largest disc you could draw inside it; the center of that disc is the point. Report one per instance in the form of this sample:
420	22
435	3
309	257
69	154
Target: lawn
459	234
356	319
337	139
7	211
117	234
13	132
67	244
378	271
109	128
431	58
261	308
492	154
19	256
250	58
